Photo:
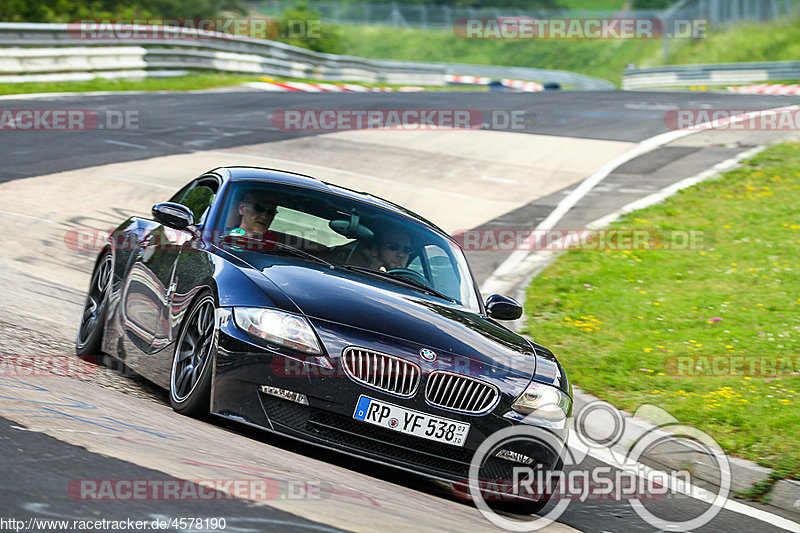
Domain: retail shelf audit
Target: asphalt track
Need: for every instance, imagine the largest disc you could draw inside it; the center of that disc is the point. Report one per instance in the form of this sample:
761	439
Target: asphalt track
170	123
187	123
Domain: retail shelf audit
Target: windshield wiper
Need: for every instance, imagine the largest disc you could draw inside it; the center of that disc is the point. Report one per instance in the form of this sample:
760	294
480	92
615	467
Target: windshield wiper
402	279
234	240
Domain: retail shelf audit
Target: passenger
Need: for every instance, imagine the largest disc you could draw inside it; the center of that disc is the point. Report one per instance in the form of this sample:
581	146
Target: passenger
386	251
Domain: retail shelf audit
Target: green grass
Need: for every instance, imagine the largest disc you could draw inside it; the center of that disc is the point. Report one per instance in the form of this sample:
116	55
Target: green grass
747	42
602	58
593	5
619	319
180	83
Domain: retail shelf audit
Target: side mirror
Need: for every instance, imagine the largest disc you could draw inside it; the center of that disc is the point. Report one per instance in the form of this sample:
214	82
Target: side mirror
174	215
503	308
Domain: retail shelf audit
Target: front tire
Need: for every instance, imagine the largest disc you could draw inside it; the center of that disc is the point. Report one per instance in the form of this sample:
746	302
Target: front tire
193	360
90	330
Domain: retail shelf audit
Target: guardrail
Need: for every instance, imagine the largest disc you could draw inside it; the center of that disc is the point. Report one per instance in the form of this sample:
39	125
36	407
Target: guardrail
709	74
41	51
56	52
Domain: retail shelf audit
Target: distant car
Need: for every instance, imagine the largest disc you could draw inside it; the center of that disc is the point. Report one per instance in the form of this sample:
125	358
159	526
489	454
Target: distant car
497	85
300	330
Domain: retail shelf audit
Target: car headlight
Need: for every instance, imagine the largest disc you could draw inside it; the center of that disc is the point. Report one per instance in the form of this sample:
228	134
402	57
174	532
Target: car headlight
545	401
277	327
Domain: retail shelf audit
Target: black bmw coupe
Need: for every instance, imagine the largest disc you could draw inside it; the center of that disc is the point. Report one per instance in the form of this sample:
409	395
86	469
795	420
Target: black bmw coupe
328	315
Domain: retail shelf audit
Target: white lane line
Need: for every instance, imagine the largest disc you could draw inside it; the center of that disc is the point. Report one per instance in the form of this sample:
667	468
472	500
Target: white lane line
498	180
40	219
618	460
495	281
129	145
540	258
660	196
150	183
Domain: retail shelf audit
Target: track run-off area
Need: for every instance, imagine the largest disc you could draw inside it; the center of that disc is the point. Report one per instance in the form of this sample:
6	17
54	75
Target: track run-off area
108	425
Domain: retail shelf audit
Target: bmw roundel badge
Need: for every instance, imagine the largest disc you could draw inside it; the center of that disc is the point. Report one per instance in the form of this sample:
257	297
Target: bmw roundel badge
428	355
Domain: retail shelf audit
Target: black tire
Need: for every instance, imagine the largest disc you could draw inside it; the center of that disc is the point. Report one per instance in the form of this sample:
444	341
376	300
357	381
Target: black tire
193	359
90	330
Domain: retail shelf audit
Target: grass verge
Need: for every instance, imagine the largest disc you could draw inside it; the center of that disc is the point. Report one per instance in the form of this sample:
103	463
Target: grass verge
637	326
600	58
178	83
181	83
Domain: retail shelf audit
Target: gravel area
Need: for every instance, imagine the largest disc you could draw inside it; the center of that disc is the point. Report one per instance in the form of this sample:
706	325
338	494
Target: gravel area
24	351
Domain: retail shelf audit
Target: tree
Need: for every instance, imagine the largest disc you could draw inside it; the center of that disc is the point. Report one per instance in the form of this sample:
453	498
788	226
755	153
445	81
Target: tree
652	4
303	27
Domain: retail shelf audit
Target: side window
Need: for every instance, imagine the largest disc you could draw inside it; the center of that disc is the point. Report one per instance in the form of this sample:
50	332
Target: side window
442	274
198	198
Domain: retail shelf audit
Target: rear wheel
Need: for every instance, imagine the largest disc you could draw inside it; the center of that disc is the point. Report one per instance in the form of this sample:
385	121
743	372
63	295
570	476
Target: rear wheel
90	330
192	362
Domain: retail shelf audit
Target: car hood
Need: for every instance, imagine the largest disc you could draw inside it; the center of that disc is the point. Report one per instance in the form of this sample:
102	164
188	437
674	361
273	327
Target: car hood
359	301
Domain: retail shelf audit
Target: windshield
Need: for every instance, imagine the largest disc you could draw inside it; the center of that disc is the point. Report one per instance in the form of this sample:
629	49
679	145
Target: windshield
349	234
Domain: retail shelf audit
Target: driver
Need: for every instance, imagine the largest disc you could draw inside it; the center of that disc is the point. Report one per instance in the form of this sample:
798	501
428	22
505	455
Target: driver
394	248
257	210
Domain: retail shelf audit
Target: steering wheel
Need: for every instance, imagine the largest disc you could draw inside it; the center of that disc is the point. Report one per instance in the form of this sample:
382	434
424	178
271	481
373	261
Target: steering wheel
413	274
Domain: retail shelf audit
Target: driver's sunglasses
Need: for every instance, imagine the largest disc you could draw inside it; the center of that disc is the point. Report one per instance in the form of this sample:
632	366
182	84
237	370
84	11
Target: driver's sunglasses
395	246
268	209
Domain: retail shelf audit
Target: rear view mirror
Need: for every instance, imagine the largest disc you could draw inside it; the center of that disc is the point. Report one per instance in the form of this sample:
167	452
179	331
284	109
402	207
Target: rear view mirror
503	308
173	215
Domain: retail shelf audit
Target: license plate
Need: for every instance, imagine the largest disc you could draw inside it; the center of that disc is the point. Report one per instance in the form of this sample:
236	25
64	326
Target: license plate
412	422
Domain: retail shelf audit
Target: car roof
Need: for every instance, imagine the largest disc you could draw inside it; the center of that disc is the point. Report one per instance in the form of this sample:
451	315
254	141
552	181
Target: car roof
242	173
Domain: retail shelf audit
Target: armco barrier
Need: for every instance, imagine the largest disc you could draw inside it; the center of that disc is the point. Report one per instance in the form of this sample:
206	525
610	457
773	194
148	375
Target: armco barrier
34	51
32	48
709	74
